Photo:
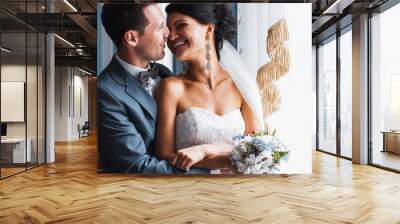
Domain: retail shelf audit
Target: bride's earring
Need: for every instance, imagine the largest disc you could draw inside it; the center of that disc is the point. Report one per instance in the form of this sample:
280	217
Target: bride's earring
208	53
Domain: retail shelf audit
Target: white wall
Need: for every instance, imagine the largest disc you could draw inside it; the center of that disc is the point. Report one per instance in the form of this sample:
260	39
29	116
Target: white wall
70	83
81	84
61	103
16	72
12	101
314	97
33	126
294	121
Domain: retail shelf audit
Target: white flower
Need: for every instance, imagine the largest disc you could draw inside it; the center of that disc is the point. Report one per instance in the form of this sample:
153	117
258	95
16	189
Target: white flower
266	138
250	160
282	149
242	148
267	155
261	160
241	167
247	139
257	166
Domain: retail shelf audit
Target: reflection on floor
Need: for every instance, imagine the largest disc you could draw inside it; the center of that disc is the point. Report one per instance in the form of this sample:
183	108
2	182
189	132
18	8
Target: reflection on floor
386	159
10	169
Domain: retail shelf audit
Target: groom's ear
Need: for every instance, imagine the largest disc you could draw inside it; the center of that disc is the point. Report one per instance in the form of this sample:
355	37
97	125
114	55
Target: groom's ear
131	37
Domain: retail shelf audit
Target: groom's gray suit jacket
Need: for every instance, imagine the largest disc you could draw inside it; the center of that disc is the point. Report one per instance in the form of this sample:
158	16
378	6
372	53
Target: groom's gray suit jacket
126	124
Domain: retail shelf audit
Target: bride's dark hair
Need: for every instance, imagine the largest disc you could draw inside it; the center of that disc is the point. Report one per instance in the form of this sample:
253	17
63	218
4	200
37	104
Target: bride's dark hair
217	14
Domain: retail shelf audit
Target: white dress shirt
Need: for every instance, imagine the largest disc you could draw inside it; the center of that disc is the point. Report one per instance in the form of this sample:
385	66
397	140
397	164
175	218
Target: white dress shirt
134	71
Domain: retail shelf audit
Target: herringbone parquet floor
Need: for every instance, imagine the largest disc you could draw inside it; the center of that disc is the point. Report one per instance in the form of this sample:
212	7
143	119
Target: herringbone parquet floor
71	191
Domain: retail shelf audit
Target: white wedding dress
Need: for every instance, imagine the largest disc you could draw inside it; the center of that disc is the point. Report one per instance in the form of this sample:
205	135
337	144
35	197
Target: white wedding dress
197	126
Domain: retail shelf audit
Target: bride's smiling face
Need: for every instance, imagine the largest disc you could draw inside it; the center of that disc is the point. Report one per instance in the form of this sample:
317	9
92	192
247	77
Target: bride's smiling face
187	38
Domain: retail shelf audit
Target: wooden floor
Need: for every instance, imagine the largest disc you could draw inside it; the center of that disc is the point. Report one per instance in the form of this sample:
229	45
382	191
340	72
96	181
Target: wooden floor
71	191
5	172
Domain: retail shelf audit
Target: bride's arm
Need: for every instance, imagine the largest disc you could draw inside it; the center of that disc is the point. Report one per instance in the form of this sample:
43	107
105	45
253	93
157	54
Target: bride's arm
221	159
215	162
167	98
250	119
214	156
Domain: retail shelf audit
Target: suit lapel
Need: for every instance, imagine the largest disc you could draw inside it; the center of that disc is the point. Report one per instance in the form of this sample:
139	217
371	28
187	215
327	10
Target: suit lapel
136	91
132	87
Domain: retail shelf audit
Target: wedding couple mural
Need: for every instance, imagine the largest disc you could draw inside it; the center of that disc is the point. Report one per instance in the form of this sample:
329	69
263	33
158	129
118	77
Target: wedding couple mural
241	105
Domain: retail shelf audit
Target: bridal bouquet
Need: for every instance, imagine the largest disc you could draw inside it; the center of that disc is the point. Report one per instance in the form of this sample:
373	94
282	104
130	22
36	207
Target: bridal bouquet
259	153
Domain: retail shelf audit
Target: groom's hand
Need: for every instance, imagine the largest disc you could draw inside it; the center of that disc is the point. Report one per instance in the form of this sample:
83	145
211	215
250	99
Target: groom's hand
185	158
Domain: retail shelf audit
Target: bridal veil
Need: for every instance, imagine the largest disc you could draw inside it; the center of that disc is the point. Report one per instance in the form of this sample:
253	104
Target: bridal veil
246	83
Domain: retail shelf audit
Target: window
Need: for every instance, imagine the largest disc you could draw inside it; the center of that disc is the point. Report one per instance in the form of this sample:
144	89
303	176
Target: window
327	97
22	74
346	94
385	89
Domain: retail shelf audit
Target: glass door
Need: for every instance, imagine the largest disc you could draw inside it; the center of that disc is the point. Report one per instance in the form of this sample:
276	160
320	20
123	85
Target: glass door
385	89
327	96
346	93
22	76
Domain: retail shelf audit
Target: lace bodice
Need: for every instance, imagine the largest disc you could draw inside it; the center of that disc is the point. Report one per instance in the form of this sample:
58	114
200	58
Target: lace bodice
198	126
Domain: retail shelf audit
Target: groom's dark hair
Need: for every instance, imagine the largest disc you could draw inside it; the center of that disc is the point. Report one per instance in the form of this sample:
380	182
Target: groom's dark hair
119	18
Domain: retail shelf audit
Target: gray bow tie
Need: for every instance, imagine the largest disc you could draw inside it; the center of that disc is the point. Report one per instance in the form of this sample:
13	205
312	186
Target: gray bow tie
152	73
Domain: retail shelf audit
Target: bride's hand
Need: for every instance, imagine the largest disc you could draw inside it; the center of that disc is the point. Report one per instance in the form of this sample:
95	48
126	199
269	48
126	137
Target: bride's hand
185	158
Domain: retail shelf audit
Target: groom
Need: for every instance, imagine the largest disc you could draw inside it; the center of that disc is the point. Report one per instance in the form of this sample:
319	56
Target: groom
126	108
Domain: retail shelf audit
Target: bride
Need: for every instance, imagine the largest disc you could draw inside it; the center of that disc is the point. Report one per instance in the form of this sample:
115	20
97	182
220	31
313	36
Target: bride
212	101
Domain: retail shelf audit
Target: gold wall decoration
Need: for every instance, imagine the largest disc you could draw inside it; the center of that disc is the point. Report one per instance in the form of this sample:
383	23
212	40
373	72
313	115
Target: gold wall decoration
272	71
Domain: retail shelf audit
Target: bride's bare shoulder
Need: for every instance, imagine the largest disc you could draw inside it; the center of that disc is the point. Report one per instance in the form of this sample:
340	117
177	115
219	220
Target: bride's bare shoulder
172	85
